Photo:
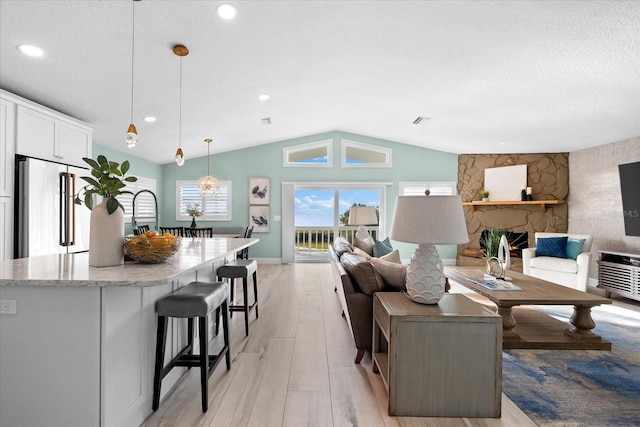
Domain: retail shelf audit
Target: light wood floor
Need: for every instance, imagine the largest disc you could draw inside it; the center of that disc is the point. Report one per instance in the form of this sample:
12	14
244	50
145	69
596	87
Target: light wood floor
296	368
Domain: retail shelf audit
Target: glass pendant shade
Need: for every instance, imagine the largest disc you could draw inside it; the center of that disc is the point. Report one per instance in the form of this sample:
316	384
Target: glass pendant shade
179	157
132	136
207	186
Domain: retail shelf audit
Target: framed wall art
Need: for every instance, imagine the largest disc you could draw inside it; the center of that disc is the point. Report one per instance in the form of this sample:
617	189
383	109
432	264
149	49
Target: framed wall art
259	218
259	191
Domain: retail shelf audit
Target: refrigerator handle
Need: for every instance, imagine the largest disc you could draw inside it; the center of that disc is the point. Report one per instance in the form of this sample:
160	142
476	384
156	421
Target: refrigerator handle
63	208
72	183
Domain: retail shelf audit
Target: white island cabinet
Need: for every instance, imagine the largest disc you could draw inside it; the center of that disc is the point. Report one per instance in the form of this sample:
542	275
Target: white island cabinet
79	350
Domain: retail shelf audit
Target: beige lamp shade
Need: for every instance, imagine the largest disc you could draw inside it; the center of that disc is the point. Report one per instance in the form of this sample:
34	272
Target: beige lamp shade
429	219
363	215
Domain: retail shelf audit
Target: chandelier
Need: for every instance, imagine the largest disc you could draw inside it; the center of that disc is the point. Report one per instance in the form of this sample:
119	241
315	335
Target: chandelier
207	185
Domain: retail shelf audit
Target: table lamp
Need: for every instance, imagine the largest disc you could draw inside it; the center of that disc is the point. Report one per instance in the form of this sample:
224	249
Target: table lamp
428	221
362	215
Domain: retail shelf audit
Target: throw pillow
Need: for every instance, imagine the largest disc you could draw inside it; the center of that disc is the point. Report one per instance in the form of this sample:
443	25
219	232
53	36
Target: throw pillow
362	273
341	246
382	248
574	247
392	257
552	246
361	253
364	244
393	274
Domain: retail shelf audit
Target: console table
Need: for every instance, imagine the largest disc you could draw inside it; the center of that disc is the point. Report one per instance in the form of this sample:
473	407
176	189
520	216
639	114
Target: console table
441	360
619	272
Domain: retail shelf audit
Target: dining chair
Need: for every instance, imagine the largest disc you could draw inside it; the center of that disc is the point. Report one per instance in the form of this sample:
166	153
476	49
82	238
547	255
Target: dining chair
176	231
200	232
141	229
244	253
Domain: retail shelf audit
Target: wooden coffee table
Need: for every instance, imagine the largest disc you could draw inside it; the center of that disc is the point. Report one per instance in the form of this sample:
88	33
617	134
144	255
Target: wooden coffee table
529	328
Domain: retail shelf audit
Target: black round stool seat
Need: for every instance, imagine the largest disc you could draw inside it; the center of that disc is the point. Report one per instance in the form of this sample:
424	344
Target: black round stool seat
241	268
197	299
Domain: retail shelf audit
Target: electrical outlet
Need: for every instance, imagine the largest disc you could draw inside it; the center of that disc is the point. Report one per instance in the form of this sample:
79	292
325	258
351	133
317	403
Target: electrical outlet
7	306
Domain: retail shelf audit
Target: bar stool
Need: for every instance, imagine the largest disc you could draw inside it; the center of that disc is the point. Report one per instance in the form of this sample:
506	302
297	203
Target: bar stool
241	268
197	299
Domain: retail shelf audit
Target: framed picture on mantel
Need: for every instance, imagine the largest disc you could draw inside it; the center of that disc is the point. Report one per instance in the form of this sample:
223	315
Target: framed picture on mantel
505	183
259	191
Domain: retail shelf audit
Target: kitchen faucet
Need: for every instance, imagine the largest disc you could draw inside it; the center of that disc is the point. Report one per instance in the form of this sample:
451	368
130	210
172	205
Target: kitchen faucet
155	199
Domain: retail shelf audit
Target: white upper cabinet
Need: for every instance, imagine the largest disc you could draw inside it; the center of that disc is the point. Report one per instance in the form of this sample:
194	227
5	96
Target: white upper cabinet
7	146
52	138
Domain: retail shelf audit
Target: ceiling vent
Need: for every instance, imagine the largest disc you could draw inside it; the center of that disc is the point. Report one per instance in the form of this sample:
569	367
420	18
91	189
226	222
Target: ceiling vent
420	119
266	121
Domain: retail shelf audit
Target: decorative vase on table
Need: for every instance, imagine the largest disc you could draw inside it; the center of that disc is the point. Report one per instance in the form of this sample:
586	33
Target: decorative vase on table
105	239
193	222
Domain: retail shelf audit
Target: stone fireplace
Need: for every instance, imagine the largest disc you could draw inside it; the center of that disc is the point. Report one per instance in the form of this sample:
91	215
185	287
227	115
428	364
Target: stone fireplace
547	174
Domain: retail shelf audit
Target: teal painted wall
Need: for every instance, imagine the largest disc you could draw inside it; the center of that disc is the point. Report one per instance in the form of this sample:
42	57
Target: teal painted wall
410	163
139	167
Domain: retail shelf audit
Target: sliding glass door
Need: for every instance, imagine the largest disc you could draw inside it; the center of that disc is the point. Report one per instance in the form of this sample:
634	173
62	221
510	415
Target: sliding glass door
321	213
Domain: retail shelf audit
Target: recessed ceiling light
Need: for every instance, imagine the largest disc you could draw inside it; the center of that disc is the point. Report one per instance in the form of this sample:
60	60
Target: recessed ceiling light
226	11
30	50
150	119
263	97
502	143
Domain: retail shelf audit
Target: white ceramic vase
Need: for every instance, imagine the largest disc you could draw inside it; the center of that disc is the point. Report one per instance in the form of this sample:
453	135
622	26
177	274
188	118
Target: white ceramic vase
105	239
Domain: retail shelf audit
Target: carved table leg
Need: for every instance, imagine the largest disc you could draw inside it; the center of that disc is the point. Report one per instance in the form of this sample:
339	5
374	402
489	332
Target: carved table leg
508	323
582	324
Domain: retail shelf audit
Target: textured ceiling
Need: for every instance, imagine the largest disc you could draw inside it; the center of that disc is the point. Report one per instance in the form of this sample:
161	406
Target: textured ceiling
497	76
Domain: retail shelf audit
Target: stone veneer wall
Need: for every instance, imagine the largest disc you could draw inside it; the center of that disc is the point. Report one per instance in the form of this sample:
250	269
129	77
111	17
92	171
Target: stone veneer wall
547	174
595	202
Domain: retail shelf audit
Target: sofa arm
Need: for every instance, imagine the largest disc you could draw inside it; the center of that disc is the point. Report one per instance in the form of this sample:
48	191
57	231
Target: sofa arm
527	255
584	262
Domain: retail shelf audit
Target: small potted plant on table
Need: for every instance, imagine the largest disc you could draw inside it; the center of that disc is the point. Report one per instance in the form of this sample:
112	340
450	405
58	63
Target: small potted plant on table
485	195
194	211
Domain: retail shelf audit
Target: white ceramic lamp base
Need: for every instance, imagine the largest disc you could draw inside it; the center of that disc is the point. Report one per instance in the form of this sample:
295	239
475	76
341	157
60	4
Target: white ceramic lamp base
425	277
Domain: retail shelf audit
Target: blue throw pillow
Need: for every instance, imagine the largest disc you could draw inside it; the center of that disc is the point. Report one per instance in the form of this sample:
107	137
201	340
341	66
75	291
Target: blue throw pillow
574	247
382	248
552	246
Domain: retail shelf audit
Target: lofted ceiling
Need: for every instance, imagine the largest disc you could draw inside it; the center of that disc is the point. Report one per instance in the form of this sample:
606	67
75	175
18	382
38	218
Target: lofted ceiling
490	76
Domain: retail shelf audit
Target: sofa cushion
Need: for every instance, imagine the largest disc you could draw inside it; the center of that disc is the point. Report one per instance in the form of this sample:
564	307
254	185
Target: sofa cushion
560	265
342	245
382	248
362	273
393	256
361	253
552	247
364	244
574	247
393	274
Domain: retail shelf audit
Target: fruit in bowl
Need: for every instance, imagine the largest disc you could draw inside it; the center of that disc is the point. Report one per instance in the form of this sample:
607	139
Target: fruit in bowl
151	247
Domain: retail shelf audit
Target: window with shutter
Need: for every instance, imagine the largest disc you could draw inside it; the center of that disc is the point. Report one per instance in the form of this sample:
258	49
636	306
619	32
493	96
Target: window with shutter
214	208
435	188
145	205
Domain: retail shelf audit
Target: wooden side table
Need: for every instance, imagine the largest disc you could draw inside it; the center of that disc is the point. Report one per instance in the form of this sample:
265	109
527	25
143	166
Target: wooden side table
442	360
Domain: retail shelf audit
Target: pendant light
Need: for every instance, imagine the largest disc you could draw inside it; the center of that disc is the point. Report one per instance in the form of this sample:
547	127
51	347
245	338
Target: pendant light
132	133
181	51
207	185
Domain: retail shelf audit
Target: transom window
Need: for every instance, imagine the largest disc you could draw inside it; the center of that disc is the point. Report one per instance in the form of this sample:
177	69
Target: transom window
214	208
360	155
315	154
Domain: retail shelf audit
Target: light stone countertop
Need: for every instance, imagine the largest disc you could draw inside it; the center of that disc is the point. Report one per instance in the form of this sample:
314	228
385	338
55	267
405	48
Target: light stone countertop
74	269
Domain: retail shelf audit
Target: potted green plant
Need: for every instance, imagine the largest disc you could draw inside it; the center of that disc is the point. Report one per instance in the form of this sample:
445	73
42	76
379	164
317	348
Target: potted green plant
485	195
107	221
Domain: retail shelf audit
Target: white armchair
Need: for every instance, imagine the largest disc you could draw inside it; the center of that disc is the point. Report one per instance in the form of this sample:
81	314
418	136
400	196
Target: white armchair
573	273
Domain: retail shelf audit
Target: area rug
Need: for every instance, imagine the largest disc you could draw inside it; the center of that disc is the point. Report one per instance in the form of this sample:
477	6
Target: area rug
567	388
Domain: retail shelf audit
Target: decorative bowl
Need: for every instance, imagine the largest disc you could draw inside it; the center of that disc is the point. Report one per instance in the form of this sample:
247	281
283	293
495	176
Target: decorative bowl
151	248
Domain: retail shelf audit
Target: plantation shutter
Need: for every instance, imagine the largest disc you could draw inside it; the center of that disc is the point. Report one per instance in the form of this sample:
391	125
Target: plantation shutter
214	208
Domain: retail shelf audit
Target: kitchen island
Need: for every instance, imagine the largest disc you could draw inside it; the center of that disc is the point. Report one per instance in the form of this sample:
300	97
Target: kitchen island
79	350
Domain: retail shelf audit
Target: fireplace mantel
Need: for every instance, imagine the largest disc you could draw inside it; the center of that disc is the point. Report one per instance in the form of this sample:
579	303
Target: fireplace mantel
543	203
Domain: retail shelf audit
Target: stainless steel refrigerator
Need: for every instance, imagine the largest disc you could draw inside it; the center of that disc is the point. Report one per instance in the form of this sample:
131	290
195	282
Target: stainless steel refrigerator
47	219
